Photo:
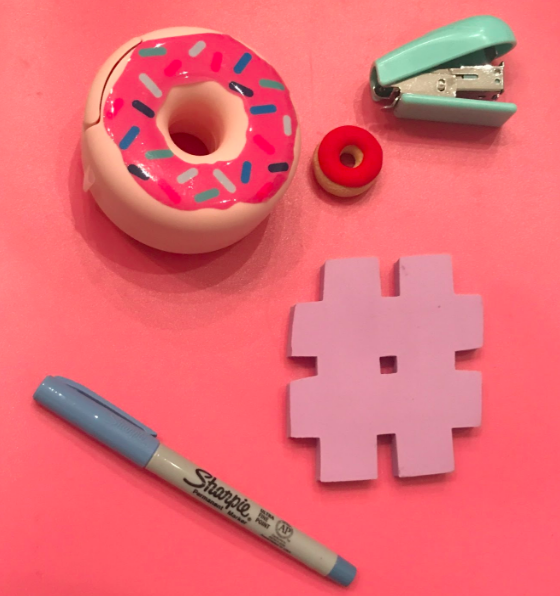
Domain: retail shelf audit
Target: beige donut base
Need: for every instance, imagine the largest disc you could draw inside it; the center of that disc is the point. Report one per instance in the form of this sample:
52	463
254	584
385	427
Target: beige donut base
130	207
332	187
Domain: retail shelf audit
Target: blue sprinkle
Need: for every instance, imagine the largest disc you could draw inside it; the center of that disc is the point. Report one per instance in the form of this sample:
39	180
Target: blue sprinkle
242	63
129	137
246	172
266	109
136	171
241	89
143	108
278	167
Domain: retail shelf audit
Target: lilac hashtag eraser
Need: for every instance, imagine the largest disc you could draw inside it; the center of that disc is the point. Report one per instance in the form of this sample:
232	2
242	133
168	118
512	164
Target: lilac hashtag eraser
350	402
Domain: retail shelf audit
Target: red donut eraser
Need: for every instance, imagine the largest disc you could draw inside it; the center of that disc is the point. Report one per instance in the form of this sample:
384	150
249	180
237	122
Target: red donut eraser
340	179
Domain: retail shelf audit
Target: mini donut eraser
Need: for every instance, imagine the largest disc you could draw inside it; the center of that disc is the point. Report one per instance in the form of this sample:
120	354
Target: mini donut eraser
347	180
193	82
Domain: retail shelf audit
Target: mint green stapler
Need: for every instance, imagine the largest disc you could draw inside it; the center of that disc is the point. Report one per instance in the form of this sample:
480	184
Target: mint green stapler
448	75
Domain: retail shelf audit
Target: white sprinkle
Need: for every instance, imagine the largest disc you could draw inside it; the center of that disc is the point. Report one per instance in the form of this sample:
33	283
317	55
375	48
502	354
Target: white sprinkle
150	85
287	126
196	49
186	176
224	180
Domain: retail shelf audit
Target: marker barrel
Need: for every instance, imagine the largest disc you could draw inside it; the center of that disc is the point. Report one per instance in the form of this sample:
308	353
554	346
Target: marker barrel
205	487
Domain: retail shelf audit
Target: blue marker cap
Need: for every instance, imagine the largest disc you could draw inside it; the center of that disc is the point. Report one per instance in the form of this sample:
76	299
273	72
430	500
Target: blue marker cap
343	573
98	418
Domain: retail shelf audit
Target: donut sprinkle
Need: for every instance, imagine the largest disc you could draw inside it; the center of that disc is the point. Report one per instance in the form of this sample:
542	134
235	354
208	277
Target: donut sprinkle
154	68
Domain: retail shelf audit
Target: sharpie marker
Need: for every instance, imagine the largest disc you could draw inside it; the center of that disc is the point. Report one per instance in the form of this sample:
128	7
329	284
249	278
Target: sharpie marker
135	441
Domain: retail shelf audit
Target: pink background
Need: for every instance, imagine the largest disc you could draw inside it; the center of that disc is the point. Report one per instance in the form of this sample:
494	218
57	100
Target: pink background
194	346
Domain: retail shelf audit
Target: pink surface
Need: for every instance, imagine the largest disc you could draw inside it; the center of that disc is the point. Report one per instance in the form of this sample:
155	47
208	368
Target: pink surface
265	135
195	346
352	400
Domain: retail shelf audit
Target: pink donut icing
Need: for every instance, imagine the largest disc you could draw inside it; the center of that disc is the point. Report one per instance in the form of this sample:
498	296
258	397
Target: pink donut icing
157	66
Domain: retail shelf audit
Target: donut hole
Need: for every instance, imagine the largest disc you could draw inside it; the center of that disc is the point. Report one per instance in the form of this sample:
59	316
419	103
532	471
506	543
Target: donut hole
351	156
196	129
202	121
189	143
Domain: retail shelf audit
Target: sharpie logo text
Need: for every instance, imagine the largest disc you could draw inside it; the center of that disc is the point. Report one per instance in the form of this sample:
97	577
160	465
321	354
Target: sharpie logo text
229	501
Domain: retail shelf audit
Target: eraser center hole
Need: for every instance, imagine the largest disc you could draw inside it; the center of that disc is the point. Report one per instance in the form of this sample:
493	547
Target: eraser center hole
388	365
351	156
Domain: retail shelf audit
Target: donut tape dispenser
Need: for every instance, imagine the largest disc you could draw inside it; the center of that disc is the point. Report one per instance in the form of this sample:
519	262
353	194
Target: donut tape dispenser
448	75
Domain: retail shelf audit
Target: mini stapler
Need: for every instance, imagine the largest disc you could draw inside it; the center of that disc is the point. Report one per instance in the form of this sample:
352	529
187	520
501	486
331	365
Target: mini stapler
448	75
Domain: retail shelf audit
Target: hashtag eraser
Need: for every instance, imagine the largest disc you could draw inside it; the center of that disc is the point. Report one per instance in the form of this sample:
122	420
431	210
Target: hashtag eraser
352	400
